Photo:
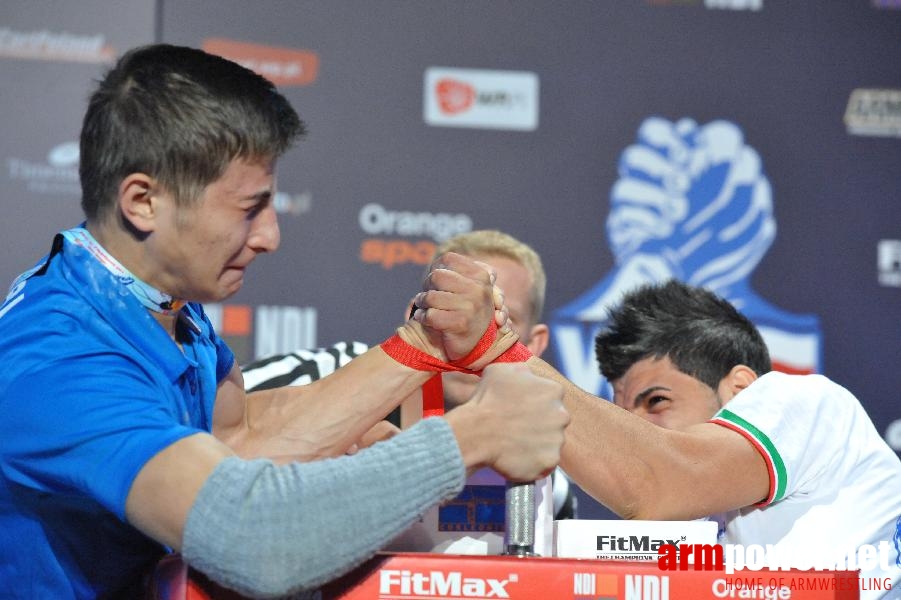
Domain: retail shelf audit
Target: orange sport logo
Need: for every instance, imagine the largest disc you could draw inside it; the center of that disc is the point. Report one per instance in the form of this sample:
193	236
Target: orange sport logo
389	253
392	230
285	67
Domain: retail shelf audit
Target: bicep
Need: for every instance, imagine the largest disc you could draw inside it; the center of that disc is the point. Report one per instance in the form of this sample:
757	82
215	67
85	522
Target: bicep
642	471
720	471
230	406
164	490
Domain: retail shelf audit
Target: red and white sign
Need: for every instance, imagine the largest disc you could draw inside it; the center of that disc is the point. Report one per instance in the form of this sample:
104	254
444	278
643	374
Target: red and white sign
480	99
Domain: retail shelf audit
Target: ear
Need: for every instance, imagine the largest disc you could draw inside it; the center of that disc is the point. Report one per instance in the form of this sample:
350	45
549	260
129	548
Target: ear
137	202
740	377
538	339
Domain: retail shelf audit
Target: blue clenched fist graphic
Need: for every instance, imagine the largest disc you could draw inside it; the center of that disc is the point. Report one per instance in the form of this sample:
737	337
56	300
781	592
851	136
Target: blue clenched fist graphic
694	196
691	203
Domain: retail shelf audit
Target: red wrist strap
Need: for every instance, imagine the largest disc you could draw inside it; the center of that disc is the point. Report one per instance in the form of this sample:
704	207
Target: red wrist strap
407	355
433	397
515	353
481	346
433	390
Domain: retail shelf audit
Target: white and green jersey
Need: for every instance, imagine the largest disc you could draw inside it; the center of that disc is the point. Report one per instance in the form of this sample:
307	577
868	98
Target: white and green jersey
835	485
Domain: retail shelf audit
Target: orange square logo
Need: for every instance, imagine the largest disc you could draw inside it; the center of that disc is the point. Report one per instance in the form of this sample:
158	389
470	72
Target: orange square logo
236	320
608	586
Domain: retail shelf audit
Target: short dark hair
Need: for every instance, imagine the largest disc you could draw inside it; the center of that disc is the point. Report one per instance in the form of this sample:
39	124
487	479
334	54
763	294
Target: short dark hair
181	116
701	333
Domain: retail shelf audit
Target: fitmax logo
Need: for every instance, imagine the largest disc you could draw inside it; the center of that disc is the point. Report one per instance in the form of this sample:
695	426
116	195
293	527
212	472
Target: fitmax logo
633	543
440	584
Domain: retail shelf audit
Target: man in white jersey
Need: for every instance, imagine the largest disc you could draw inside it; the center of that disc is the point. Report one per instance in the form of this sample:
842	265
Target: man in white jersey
700	427
785	459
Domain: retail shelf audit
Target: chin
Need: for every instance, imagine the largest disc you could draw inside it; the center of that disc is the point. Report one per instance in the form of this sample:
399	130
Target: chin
227	293
230	284
220	293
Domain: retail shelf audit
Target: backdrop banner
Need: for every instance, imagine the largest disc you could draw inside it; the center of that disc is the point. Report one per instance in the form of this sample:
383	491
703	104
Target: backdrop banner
751	146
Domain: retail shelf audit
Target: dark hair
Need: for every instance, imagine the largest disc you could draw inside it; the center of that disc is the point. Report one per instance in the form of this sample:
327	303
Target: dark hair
181	116
702	334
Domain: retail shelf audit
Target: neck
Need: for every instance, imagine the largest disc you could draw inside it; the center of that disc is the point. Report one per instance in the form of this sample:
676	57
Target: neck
149	296
123	246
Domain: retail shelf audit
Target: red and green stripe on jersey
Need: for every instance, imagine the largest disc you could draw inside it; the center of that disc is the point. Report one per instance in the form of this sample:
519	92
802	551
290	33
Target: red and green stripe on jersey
774	463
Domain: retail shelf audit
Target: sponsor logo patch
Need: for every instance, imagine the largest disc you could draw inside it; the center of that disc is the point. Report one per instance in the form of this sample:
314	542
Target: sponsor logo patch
874	112
285	67
480	99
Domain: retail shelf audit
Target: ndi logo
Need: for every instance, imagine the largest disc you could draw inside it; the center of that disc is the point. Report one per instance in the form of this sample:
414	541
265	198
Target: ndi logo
595	586
253	332
647	587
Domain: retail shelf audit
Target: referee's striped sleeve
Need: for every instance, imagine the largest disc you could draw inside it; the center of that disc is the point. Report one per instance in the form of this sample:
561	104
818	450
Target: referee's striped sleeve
299	367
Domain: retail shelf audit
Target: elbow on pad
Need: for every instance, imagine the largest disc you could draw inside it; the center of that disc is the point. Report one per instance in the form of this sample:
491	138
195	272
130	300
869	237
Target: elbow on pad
269	530
241	504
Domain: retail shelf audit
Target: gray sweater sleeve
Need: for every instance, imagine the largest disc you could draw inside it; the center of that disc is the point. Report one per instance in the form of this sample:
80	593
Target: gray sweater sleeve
267	530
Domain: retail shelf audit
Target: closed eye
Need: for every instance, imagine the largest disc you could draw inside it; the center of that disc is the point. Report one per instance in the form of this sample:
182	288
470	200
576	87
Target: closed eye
652	399
257	204
656	403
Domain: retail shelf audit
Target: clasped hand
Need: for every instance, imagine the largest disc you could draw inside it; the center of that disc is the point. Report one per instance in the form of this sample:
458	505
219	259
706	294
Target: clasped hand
457	305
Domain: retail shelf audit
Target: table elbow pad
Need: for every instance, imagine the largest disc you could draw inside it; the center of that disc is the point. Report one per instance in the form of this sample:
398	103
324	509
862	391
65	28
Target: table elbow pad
266	530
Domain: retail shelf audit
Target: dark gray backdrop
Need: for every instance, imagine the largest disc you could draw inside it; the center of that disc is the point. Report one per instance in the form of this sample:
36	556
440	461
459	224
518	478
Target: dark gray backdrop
782	71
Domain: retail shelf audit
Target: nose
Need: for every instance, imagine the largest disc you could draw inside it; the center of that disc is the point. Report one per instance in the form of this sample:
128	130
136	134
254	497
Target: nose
265	235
